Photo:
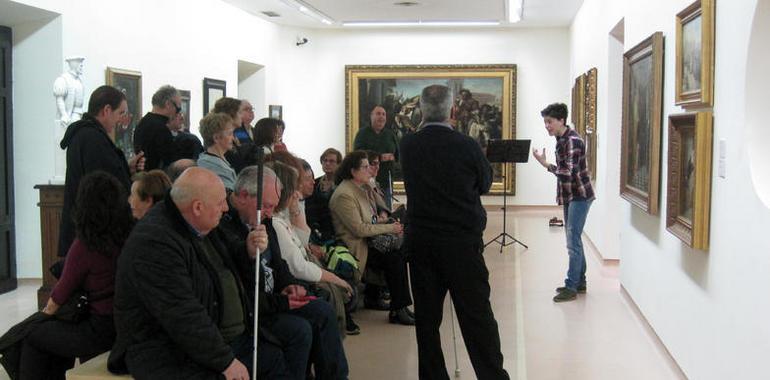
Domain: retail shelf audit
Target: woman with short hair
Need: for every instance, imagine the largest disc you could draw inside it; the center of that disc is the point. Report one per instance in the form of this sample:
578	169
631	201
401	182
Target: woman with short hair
147	189
217	132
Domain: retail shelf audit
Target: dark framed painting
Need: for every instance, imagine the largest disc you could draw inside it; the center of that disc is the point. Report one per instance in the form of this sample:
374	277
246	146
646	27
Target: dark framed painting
688	199
128	82
213	90
641	127
185	95
695	55
484	105
275	111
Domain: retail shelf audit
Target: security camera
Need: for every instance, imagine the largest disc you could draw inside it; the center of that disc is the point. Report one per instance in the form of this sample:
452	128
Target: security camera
301	41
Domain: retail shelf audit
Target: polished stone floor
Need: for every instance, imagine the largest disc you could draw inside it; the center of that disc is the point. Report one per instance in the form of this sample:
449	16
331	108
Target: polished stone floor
599	336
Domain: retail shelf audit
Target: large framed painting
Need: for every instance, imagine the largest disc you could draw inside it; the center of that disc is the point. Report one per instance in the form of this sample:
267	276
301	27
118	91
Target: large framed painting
128	82
688	199
641	129
185	95
695	55
590	137
213	90
484	106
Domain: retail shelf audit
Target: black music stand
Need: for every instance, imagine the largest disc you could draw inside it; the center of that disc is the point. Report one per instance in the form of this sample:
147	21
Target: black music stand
507	151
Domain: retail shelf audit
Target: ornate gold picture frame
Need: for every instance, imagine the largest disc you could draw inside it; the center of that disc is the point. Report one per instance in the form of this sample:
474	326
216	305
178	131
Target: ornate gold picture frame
487	110
695	55
642	118
688	201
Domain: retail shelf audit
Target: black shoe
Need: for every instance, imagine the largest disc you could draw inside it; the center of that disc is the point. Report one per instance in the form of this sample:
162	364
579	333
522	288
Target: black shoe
351	328
580	289
566	295
411	313
377	304
400	316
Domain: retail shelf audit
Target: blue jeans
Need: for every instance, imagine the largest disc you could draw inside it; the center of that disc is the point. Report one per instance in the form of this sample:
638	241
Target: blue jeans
575	214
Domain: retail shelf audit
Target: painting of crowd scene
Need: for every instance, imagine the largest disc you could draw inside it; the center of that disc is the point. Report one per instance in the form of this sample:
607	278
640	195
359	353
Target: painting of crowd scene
476	109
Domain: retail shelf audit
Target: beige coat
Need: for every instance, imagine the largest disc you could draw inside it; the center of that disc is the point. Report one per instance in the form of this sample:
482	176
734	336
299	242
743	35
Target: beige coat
352	219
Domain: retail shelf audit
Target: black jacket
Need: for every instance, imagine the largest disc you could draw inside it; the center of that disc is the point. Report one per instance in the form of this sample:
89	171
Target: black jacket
168	298
269	304
89	149
153	137
445	174
11	342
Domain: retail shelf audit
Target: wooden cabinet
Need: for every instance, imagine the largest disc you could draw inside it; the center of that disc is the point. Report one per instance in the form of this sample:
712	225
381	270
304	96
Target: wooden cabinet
51	203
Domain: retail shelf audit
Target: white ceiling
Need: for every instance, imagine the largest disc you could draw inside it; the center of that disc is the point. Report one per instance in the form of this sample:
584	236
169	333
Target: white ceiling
536	13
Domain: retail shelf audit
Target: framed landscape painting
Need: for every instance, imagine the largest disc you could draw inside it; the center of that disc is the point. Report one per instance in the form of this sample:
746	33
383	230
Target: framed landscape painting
688	199
213	90
484	105
641	129
695	55
128	82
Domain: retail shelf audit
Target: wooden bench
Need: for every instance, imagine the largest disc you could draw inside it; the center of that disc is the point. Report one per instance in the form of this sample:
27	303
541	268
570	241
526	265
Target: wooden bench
95	368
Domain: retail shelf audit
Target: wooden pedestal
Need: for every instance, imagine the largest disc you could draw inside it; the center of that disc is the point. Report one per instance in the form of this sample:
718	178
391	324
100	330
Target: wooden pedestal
51	203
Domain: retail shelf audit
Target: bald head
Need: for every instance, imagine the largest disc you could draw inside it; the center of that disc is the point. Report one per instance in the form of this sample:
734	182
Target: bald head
200	197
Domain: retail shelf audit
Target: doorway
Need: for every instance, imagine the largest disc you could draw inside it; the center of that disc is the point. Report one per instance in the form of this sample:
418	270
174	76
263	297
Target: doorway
7	246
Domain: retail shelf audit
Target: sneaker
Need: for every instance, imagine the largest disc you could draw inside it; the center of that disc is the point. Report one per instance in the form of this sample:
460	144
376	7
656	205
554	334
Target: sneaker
565	295
580	289
351	328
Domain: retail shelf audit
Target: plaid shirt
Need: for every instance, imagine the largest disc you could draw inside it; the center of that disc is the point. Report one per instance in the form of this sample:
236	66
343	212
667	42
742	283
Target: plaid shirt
573	180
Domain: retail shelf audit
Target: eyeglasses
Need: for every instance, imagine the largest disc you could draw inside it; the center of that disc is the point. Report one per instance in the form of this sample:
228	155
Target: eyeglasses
178	108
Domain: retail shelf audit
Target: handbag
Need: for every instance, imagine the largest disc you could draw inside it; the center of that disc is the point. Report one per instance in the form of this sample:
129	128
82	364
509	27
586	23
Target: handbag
75	309
386	243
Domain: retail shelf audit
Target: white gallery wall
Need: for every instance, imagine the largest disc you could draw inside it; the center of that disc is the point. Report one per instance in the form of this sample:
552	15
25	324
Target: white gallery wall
709	308
170	42
313	83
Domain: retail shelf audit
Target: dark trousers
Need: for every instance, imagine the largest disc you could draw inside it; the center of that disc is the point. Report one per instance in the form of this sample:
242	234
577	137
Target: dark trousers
51	348
394	266
327	355
457	266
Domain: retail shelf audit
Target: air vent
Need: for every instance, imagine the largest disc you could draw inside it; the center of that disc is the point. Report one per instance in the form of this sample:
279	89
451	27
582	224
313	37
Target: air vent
270	14
406	3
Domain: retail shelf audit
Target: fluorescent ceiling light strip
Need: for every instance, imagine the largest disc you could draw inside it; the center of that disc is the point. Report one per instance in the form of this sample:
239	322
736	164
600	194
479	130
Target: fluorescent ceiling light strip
514	10
419	23
309	11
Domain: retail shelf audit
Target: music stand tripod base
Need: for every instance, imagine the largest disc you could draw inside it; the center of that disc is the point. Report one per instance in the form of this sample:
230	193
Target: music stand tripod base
507	151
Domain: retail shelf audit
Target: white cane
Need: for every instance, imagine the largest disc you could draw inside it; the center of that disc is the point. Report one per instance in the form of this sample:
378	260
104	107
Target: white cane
260	180
454	336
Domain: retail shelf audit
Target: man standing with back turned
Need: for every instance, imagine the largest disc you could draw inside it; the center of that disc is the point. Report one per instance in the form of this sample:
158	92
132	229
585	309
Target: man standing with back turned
445	174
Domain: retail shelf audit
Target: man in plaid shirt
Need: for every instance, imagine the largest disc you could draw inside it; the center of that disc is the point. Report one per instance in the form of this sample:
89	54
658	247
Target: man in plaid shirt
574	192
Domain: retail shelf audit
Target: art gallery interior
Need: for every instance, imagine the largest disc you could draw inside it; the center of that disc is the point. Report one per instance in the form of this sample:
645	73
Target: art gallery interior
698	313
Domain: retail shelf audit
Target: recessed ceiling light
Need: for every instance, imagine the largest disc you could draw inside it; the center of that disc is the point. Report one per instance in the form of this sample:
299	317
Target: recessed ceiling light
406	3
270	14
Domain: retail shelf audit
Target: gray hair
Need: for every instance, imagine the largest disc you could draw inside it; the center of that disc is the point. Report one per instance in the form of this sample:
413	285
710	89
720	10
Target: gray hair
435	103
212	124
248	180
164	94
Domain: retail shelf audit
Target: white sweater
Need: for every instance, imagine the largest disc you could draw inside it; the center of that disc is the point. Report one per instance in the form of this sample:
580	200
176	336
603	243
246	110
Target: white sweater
293	250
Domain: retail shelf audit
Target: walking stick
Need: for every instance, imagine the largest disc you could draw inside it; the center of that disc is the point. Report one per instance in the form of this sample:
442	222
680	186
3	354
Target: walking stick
454	336
260	173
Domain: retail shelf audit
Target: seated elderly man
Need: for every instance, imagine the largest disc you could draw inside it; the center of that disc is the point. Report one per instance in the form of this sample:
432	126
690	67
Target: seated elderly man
283	314
180	308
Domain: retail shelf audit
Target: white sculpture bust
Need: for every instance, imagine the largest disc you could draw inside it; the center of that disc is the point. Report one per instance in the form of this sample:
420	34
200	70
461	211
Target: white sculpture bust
68	91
